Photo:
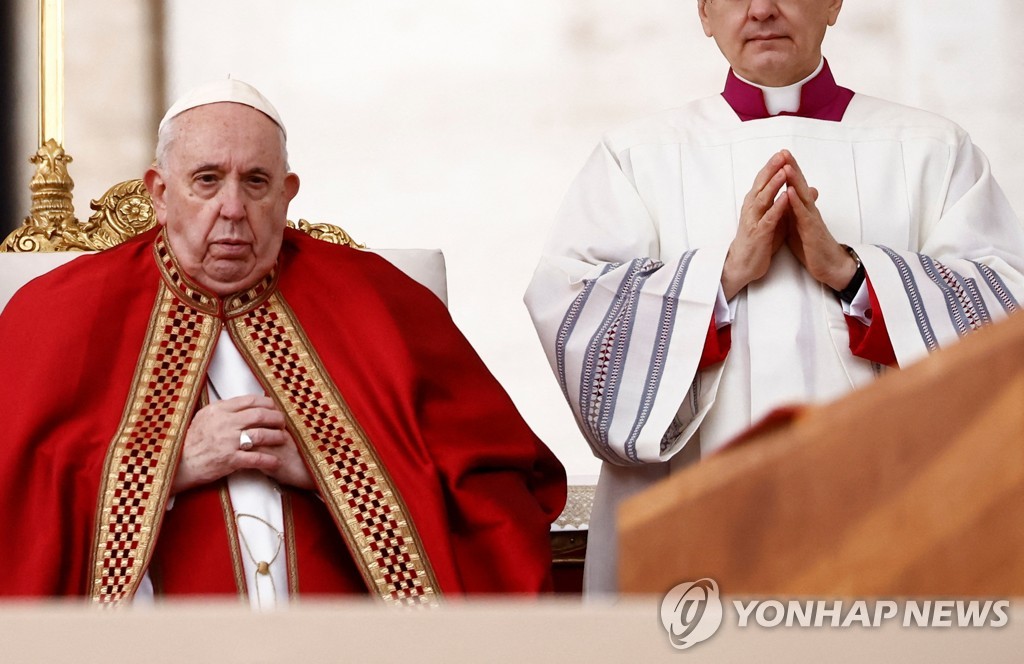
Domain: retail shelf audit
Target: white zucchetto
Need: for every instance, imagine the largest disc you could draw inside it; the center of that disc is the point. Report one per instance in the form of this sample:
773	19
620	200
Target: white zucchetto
225	90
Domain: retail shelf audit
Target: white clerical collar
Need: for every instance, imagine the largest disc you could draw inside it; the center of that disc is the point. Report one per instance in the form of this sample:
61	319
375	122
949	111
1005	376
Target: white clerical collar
785	99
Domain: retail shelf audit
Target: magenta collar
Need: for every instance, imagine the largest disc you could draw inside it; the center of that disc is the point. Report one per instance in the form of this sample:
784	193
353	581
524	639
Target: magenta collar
820	98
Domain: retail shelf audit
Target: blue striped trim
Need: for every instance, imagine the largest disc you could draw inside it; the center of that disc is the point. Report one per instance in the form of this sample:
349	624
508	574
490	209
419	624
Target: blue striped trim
589	387
924	325
957	315
565	330
620	349
669	311
971	286
998	288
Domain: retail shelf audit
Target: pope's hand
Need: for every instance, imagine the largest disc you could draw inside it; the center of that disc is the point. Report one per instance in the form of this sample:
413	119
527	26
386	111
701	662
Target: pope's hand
211	449
761	229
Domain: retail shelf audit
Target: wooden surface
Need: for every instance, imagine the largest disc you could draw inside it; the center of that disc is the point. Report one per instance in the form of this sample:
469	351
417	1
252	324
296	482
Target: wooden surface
913	486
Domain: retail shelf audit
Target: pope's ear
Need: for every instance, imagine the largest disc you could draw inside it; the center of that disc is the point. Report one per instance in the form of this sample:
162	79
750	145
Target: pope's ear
154	182
291	186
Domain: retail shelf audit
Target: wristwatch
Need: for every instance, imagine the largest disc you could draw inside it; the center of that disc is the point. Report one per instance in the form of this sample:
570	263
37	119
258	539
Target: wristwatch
848	293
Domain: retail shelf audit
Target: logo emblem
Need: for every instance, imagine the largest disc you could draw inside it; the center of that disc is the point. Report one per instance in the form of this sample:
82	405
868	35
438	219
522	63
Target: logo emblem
691	612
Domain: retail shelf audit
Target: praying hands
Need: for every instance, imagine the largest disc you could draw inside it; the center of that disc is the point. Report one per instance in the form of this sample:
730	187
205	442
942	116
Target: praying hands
771	217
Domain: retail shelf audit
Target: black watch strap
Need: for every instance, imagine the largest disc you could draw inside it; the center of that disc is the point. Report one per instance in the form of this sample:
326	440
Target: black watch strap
850	291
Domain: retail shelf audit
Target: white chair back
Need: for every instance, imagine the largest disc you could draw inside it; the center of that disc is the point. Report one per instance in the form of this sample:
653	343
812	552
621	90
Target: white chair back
424	265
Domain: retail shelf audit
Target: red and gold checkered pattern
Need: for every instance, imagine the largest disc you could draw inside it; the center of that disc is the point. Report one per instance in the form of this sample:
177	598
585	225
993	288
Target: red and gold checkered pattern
366	506
147	445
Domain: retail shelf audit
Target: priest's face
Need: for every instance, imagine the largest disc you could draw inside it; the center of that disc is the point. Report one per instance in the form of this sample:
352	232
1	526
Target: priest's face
769	42
221	189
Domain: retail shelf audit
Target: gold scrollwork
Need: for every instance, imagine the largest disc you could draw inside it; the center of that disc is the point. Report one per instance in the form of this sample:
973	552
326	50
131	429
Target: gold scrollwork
326	232
123	212
51	224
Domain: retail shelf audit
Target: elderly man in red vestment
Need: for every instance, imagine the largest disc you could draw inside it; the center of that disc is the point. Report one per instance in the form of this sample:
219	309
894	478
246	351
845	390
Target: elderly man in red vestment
227	407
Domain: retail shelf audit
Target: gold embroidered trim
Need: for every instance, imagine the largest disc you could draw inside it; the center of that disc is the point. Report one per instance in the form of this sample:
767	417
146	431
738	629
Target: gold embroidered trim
247	300
174	279
228	511
200	298
362	498
147	445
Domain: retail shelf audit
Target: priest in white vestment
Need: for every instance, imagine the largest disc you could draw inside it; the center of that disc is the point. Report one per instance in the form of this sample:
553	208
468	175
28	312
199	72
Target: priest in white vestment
782	242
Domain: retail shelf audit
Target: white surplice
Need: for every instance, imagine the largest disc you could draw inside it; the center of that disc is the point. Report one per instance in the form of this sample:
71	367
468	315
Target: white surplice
624	293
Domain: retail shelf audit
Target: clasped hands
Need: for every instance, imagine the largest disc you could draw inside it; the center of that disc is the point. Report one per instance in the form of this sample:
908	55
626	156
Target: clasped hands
769	219
211	449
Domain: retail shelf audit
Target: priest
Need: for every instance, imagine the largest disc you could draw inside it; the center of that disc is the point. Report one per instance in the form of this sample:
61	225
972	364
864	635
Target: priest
223	406
785	241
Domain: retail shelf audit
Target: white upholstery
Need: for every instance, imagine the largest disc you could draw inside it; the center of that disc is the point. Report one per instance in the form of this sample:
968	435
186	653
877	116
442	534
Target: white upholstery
16	270
424	265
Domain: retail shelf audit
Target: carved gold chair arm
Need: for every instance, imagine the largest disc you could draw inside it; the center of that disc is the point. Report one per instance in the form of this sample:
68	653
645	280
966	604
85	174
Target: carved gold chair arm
326	232
123	212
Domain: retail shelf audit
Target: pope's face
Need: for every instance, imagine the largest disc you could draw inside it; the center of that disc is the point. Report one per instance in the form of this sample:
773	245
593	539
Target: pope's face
769	42
222	193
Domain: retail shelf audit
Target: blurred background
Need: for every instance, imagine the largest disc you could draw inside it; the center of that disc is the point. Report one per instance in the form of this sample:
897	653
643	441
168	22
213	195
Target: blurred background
458	124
